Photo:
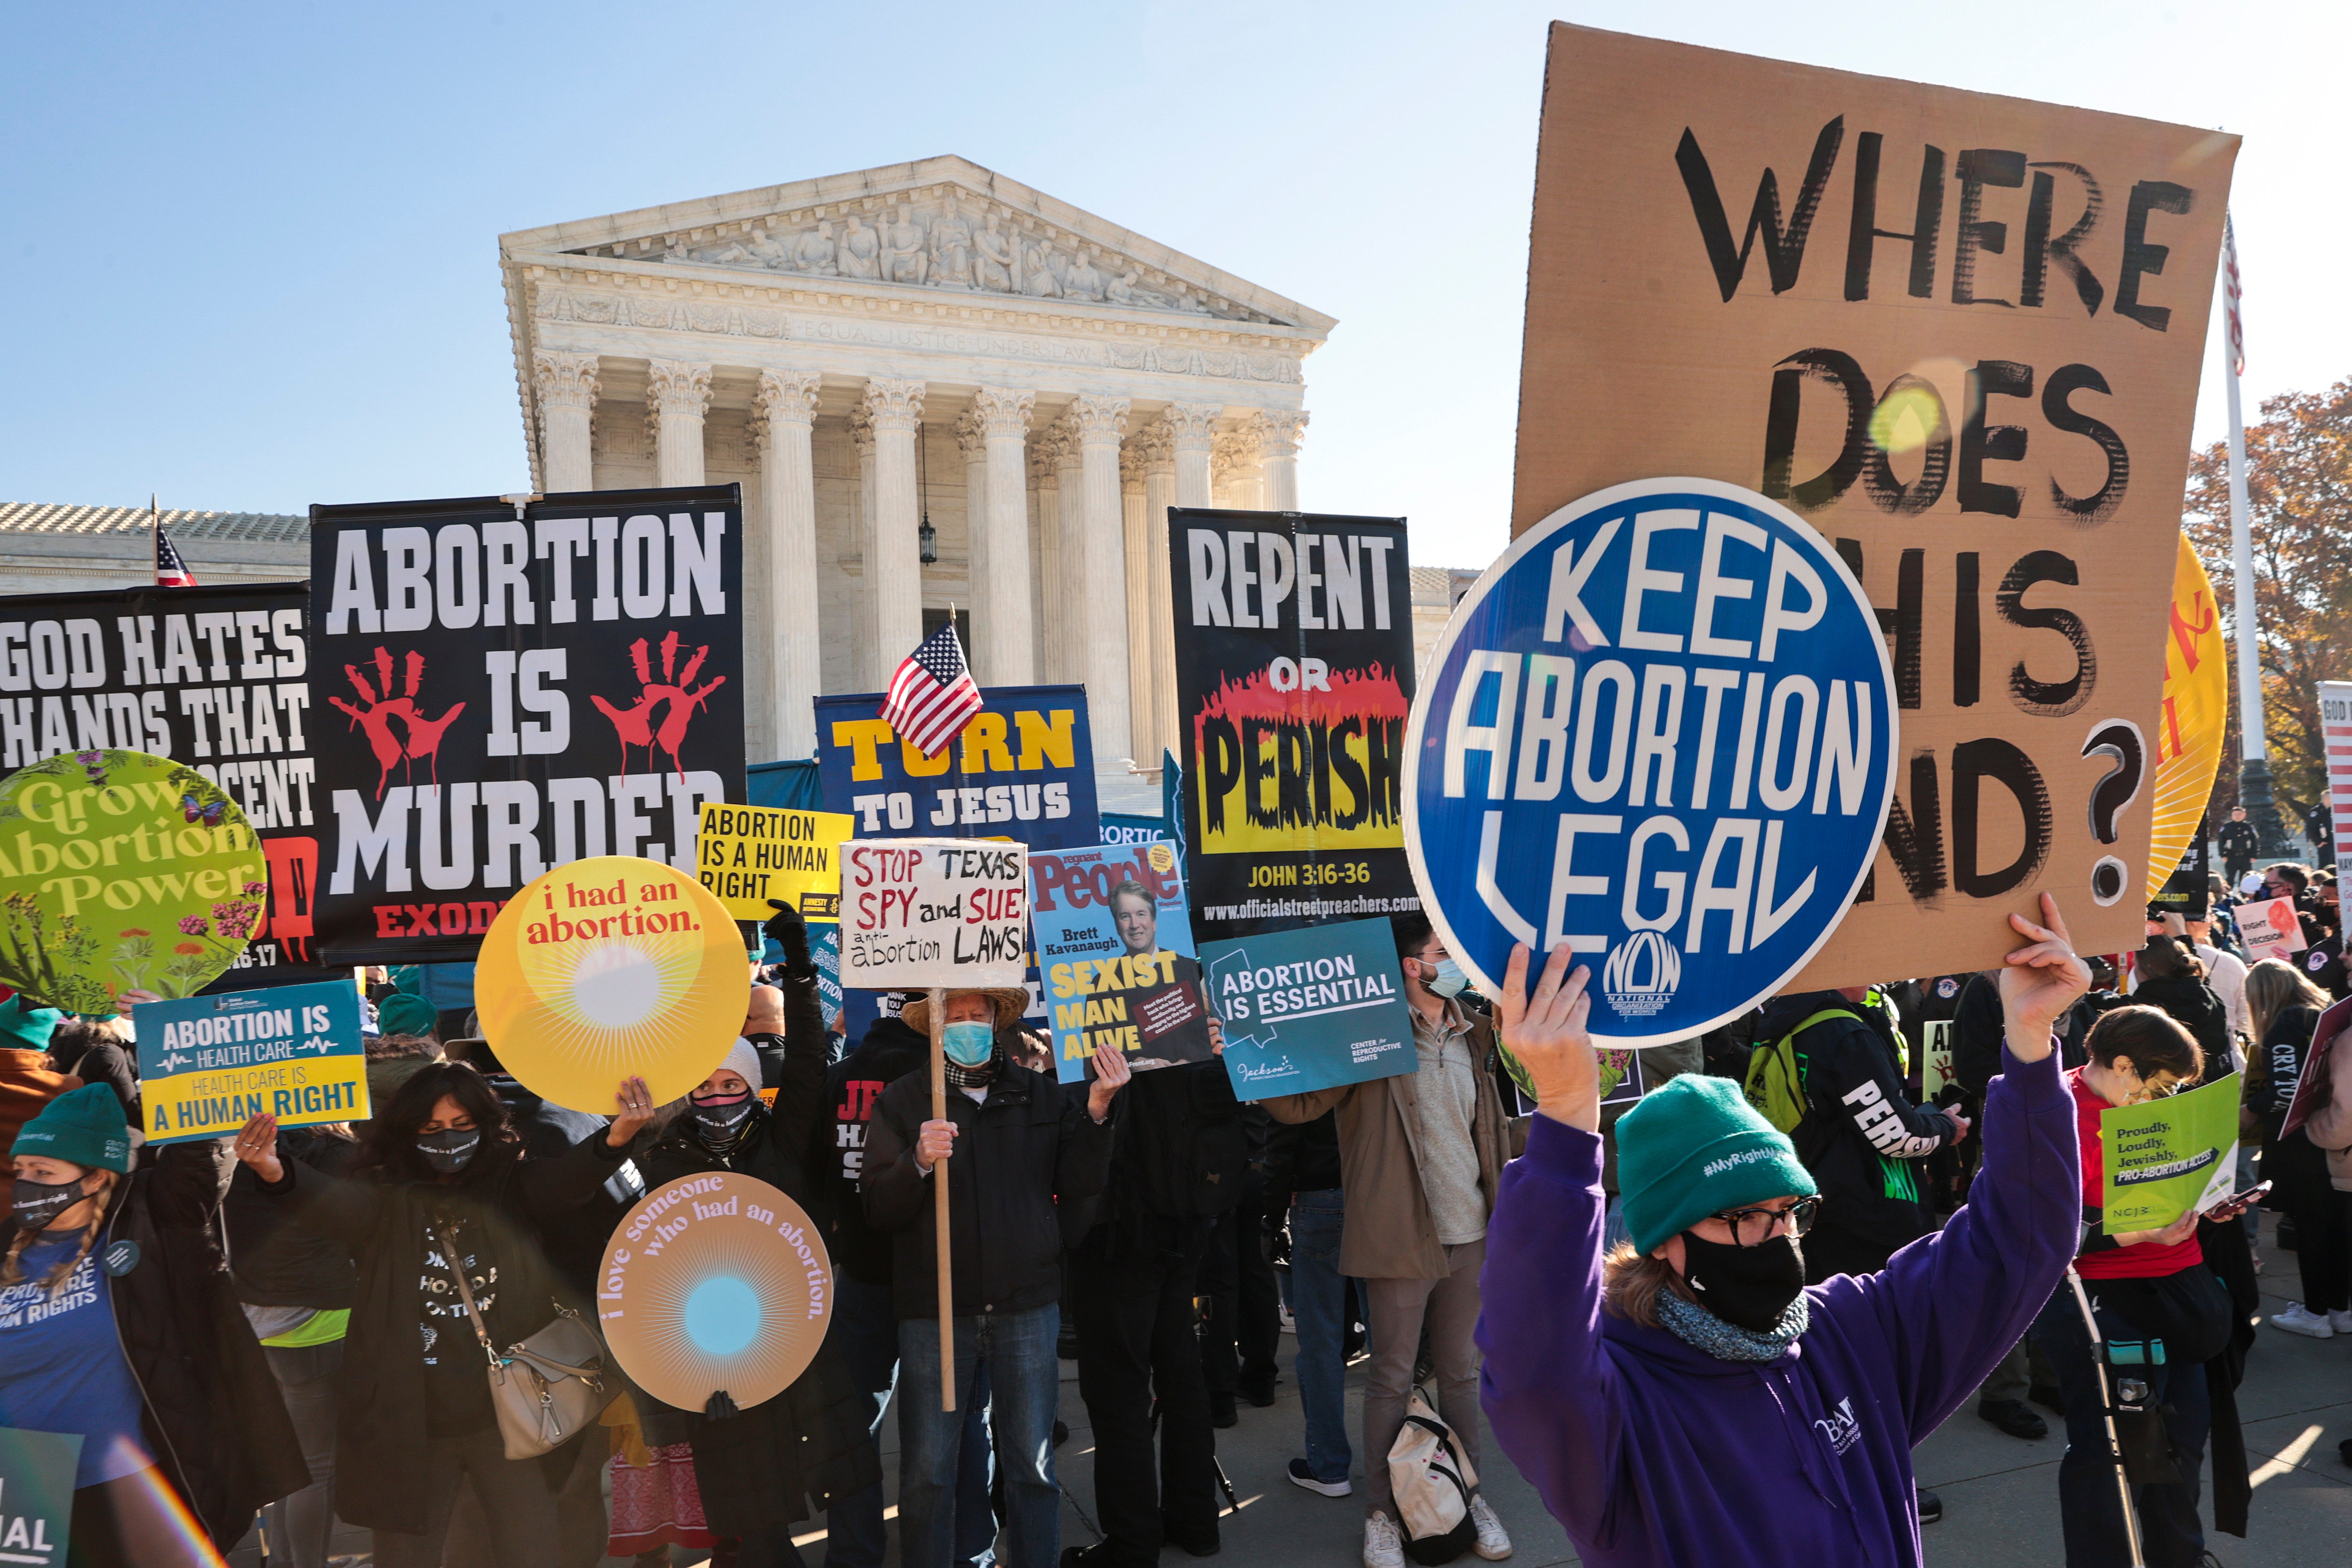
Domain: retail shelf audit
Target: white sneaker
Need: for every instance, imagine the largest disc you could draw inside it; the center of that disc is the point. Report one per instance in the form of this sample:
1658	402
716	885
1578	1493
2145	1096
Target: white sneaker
1383	1548
2298	1319
2340	1321
1494	1542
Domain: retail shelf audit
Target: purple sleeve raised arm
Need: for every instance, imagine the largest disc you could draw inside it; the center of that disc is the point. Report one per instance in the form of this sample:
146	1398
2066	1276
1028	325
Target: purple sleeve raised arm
1551	1392
1949	1306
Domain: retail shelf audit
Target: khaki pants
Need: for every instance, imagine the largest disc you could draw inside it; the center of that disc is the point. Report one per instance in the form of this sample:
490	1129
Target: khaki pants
1400	1308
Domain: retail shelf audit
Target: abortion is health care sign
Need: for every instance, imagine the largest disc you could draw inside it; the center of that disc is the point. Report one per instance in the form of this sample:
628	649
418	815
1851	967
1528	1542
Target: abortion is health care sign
1660	729
206	1064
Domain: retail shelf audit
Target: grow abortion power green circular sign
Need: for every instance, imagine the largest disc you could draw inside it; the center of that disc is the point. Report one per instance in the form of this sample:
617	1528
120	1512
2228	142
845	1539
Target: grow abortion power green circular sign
119	871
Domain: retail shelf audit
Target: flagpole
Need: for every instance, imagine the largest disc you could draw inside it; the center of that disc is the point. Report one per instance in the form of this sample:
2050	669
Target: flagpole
2254	768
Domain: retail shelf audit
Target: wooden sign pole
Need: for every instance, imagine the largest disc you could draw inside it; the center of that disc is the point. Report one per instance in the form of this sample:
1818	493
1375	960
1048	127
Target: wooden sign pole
939	1186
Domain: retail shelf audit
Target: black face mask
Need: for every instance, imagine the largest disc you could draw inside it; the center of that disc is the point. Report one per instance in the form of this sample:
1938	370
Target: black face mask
1748	1285
720	1121
449	1152
37	1203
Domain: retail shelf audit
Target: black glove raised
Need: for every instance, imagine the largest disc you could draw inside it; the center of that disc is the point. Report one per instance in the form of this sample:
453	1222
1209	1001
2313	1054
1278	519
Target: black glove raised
790	933
719	1407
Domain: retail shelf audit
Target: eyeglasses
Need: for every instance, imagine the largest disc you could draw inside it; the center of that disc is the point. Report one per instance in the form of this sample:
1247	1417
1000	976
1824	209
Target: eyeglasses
1753	1227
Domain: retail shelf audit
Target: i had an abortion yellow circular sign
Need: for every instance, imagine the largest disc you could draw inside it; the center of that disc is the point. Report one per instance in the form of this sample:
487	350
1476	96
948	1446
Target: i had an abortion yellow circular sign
121	872
608	968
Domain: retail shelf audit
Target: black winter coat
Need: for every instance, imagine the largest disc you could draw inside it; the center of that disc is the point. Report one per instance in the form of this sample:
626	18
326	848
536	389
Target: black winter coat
813	1444
1015	1155
276	1262
1862	1138
381	1392
214	1417
853	1088
2192	1005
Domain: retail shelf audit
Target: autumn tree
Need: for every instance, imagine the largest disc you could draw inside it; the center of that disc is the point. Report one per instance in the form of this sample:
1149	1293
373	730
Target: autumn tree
2299	487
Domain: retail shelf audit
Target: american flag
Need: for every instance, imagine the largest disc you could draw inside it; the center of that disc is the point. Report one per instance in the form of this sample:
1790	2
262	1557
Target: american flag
170	570
2229	292
932	696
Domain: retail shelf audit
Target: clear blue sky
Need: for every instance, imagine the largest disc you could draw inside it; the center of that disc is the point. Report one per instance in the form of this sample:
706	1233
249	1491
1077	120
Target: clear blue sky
250	251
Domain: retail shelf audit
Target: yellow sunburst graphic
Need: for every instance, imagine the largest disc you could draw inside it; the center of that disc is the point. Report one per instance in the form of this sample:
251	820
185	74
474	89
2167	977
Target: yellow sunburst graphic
607	968
715	1282
2196	712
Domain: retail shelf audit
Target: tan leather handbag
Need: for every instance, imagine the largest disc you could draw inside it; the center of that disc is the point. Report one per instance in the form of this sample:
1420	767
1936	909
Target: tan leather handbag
548	1387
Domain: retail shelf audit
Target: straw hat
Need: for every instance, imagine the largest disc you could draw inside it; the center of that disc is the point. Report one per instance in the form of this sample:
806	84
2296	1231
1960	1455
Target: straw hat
1011	1002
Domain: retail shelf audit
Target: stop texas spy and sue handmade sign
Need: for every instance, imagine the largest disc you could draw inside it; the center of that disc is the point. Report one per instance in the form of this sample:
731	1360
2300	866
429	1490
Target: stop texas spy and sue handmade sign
1958	335
920	912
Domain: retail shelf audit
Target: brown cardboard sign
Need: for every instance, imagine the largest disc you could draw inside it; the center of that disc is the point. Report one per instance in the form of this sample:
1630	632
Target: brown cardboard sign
1959	335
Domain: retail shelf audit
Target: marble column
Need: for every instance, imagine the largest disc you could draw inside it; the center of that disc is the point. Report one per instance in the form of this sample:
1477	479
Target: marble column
783	418
1099	569
894	570
971	440
1192	430
566	384
1137	537
1001	615
1052	587
1158	648
676	396
1279	438
1076	543
869	670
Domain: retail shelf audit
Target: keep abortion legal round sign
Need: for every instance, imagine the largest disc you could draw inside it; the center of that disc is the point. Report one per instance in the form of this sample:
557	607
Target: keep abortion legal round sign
1661	729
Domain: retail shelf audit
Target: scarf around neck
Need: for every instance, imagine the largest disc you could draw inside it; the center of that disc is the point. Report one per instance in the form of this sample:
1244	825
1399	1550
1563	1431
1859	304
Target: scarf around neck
1702	1329
980	1076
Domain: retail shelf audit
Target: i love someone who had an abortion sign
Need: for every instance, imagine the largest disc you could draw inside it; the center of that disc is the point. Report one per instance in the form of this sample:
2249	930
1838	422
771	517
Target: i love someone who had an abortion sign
1659	729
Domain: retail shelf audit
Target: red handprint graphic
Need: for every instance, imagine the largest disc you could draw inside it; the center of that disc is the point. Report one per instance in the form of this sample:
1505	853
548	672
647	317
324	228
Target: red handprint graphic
422	734
634	724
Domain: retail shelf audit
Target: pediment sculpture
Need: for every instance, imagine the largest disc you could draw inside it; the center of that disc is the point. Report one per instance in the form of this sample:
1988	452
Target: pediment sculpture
938	245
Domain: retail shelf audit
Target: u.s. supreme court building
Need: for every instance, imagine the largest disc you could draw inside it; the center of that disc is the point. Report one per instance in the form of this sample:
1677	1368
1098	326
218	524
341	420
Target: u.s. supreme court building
940	389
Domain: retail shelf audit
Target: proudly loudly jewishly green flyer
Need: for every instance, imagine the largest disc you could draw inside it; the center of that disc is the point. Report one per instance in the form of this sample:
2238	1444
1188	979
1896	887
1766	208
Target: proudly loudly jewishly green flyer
119	871
2169	1156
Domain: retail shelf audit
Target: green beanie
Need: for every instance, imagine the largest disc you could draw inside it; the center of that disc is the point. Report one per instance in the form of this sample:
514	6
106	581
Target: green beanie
401	1013
82	1126
1693	1147
24	1026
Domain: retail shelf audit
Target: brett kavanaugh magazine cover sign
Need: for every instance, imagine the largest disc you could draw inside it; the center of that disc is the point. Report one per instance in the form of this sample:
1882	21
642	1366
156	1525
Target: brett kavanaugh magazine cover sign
1294	679
214	677
507	688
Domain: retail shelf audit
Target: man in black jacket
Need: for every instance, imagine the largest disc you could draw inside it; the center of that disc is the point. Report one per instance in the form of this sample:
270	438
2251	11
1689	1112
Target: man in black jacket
866	1319
1862	1138
1018	1146
2239	844
1182	1158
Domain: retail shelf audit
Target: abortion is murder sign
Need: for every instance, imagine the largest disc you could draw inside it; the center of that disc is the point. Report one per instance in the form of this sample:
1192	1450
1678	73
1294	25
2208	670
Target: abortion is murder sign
1960	336
512	688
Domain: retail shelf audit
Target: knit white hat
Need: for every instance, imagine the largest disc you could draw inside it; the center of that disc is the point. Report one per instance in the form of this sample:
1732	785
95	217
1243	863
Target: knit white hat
741	1058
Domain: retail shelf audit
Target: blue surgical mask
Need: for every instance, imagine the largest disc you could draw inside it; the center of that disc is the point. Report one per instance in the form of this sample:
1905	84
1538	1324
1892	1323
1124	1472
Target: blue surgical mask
969	1045
1449	979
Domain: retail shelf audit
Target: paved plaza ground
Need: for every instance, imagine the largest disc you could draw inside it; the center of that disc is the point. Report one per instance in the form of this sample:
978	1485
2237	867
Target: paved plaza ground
2001	1494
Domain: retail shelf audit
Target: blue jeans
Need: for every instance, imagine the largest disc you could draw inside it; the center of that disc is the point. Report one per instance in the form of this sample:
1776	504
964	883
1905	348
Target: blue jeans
2170	1532
855	1537
1012	1356
1319	1300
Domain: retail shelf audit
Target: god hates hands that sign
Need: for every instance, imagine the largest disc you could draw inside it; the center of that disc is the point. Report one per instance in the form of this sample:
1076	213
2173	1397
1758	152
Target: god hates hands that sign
1023	769
216	677
1661	729
1957	334
1293	675
917	912
520	687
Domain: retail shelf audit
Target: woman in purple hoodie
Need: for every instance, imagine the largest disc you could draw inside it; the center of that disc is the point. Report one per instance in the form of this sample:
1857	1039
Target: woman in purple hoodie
1618	1385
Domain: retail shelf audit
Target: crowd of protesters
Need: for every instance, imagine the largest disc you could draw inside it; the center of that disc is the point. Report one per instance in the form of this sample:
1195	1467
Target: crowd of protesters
298	1321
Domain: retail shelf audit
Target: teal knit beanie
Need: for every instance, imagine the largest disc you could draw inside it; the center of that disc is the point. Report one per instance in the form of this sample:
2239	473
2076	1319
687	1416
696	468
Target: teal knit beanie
83	1127
25	1026
1693	1147
401	1013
